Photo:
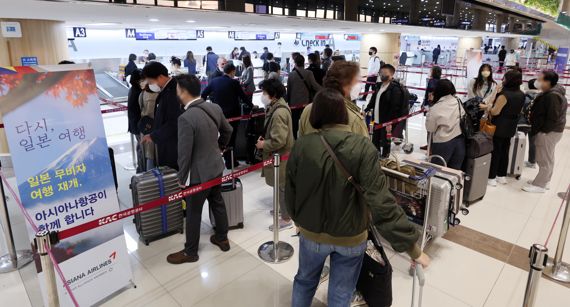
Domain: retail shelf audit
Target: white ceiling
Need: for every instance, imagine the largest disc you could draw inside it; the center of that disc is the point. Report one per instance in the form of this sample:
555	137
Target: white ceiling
129	16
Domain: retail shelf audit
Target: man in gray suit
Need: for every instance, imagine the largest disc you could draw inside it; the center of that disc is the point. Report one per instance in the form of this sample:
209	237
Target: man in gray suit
301	88
203	133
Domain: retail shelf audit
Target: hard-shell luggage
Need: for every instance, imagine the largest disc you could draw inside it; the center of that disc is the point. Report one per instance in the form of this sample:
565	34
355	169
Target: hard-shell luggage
477	169
478	145
232	192
446	197
516	155
161	221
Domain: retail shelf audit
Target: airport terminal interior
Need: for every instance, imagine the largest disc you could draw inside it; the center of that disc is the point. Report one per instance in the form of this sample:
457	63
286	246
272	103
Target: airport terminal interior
94	217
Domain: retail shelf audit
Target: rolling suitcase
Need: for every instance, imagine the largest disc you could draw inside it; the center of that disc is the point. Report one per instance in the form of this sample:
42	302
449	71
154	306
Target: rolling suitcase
161	221
446	197
477	169
516	155
232	192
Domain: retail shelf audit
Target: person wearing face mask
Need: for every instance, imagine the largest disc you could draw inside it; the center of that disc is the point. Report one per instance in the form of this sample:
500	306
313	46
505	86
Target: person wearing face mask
342	77
277	137
548	121
482	86
385	105
373	69
204	132
134	111
165	130
301	88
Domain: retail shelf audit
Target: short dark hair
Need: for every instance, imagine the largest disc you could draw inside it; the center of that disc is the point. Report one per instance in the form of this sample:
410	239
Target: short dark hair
175	61
313	57
341	73
389	67
299	61
443	88
436	72
550	76
374	49
328	52
242	48
270	56
189	83
208	48
247	61
155	69
512	79
274	67
265	48
229	68
531	84
151	56
503	47
136	77
273	87
294	55
328	109
132	57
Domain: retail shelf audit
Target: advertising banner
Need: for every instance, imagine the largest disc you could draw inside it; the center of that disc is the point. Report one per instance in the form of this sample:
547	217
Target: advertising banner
561	59
61	160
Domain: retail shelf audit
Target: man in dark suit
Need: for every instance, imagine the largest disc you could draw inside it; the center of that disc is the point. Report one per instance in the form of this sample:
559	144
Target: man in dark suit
204	132
165	131
226	92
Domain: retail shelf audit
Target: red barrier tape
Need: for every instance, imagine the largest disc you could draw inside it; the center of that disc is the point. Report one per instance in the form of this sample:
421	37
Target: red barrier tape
399	119
262	114
111	218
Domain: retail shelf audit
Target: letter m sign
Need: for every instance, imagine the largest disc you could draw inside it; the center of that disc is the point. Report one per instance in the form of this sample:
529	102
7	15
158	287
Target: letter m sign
130	33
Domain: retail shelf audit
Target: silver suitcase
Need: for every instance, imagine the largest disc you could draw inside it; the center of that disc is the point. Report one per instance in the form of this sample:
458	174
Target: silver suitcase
516	155
446	197
161	221
232	192
478	171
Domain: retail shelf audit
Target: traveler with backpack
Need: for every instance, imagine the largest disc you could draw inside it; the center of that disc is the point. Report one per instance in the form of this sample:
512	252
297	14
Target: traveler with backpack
373	69
443	121
389	101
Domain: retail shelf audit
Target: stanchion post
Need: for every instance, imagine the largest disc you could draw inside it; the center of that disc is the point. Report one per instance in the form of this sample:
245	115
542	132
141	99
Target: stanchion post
557	269
538	257
14	259
43	243
134	155
275	251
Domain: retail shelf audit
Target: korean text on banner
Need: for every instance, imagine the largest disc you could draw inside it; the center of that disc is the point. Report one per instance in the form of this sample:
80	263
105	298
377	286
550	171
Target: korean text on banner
61	160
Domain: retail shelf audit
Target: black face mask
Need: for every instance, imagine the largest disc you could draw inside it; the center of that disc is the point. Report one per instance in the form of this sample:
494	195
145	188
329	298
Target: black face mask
370	53
384	78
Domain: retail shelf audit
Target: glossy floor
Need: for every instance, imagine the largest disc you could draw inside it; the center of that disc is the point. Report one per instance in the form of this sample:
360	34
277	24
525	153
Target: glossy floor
459	276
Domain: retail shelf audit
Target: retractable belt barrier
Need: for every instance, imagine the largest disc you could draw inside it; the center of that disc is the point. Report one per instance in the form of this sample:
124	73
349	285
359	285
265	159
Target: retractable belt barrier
399	119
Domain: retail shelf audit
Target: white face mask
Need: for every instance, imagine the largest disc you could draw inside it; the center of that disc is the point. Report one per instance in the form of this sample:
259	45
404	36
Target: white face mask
485	73
538	85
355	91
154	87
265	100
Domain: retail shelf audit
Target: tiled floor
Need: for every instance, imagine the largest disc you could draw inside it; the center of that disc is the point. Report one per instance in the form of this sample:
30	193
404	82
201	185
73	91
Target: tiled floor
459	276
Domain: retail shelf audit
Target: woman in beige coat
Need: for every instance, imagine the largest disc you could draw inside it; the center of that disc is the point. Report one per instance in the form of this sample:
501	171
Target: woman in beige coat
277	138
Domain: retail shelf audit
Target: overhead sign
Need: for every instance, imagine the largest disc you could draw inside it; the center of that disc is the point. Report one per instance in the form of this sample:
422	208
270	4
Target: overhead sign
166	34
314	40
144	36
11	29
63	171
561	59
130	33
352	37
29	60
79	32
252	36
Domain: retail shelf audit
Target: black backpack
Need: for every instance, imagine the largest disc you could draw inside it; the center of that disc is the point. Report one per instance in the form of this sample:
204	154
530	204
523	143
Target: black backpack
405	101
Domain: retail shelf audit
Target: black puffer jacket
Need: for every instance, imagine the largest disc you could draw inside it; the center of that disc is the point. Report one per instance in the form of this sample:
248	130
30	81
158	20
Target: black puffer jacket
548	112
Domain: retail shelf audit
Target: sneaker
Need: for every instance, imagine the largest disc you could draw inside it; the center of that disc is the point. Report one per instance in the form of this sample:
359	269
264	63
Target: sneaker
181	257
529	164
283	224
492	182
357	300
533	189
547	184
223	245
502	180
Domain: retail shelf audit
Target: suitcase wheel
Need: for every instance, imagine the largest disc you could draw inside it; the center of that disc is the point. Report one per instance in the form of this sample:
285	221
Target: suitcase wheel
518	177
464	211
455	222
181	230
240	226
146	242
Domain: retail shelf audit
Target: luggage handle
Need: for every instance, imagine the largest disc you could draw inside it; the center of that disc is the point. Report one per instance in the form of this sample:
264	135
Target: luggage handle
231	149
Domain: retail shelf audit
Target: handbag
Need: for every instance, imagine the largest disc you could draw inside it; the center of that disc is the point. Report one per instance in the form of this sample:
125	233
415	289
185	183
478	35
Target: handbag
375	279
486	126
465	122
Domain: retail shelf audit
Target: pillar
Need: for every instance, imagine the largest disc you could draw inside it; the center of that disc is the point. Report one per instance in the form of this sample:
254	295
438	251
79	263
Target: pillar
467	43
414	12
44	39
350	10
501	20
388	45
479	22
512	43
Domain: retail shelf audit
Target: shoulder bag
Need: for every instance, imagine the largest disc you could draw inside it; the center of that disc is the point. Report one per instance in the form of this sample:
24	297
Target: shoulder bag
465	122
486	126
375	280
309	88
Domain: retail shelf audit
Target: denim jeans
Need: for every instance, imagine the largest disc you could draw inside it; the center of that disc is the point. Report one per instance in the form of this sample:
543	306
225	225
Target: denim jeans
344	271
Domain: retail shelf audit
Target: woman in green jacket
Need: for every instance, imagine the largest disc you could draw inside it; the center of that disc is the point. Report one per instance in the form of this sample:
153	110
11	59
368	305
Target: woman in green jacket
332	216
277	138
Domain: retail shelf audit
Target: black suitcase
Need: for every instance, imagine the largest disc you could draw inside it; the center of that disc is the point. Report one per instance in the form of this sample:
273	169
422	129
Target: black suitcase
478	145
113	166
